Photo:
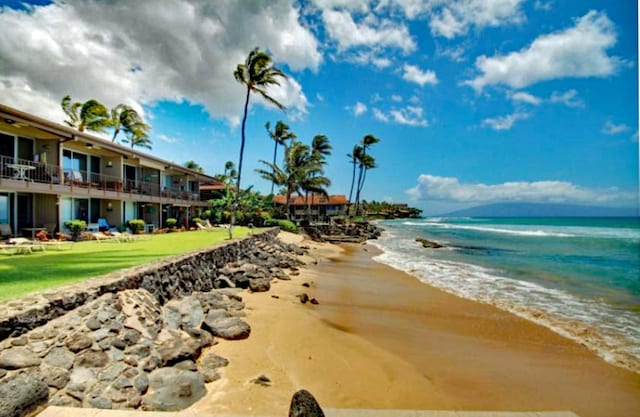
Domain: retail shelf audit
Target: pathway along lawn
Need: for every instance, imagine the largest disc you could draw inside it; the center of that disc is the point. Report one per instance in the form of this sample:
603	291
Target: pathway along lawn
24	274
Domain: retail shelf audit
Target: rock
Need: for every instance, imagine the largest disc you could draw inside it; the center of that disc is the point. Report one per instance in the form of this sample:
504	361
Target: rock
111	372
173	389
314	301
91	359
306	284
183	313
151	363
176	345
202	337
262	380
229	328
83	376
260	284
100	402
93	324
304	405
20	341
141	383
17	358
130	337
304	298
21	394
187	365
428	243
209	365
54	376
78	341
64	401
222	281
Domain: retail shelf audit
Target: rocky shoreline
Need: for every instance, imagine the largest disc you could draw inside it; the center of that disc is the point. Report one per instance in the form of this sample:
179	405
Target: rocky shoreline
131	349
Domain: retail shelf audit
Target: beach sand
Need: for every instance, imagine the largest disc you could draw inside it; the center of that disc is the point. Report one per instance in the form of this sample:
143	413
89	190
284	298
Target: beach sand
381	339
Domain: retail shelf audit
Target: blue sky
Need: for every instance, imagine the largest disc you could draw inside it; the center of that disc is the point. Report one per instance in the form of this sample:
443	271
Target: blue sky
475	101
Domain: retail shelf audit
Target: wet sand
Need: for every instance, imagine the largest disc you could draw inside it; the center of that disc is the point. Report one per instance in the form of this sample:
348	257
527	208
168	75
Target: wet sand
381	339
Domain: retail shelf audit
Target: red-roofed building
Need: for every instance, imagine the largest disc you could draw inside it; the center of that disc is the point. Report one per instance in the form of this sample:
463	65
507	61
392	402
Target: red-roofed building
322	208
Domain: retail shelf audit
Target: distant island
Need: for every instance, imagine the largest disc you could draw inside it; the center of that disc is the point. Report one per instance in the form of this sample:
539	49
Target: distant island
542	210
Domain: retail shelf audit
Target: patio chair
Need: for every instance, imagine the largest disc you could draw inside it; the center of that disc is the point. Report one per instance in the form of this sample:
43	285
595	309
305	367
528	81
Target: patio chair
51	228
202	226
23	242
103	225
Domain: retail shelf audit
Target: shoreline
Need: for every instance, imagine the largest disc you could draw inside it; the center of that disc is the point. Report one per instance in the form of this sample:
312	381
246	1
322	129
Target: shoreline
380	338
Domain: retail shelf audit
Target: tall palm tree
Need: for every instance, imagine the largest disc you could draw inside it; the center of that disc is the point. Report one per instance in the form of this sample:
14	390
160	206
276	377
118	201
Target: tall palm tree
90	115
194	166
354	157
128	120
138	138
280	136
366	143
257	73
316	182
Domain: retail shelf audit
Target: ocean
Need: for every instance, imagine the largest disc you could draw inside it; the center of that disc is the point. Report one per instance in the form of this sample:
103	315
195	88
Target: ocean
577	276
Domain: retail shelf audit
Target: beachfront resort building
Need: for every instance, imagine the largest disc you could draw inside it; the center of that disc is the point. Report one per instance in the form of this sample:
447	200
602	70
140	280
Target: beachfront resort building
50	173
315	208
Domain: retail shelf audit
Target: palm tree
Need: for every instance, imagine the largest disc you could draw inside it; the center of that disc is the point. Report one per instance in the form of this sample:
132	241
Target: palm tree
364	164
354	157
194	166
128	120
280	136
257	74
320	149
138	138
90	115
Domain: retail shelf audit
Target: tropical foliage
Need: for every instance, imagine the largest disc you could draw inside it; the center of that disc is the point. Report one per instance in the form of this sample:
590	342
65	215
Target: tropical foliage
280	136
257	73
90	115
365	162
194	166
126	119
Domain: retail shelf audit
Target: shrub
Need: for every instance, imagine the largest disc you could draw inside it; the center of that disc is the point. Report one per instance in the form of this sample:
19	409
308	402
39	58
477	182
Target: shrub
286	225
136	226
171	222
197	220
75	227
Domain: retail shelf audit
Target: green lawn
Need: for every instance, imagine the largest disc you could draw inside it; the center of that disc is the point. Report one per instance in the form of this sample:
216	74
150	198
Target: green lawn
23	274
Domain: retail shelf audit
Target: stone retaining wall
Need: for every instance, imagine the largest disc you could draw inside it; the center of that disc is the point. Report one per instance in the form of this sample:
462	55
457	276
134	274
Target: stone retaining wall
165	279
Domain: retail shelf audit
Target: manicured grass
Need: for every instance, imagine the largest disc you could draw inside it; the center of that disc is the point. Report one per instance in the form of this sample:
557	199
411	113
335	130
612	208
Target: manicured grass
24	274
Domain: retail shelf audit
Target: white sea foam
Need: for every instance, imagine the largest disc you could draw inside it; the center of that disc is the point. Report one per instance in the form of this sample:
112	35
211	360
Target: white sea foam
612	334
539	231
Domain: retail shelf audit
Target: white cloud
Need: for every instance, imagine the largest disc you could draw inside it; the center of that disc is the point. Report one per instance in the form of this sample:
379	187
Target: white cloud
368	58
543	5
379	115
611	128
414	100
451	19
396	97
416	75
342	28
122	52
455	54
409	116
504	122
568	98
319	97
357	109
524	97
579	51
167	139
376	97
450	189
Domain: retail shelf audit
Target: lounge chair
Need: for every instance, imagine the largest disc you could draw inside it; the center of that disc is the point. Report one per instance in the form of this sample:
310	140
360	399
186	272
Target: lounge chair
101	237
28	244
103	225
202	226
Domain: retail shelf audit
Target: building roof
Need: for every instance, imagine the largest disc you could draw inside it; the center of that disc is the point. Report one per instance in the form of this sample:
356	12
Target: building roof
314	200
29	125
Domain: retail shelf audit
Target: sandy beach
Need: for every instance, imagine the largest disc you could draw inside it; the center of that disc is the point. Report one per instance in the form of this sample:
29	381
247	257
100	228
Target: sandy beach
381	339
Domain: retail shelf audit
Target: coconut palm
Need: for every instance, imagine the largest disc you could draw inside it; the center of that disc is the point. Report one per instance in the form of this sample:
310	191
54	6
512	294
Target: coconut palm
280	136
90	115
354	157
320	149
257	73
138	138
364	164
128	120
194	166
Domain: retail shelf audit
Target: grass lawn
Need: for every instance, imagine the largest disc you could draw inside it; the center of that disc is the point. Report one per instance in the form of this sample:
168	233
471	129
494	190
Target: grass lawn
23	274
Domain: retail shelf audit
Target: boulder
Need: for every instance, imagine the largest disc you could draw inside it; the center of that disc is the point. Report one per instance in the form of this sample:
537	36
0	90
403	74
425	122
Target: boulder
17	358
22	394
428	243
176	345
229	328
91	359
260	284
173	389
303	404
183	313
78	341
209	365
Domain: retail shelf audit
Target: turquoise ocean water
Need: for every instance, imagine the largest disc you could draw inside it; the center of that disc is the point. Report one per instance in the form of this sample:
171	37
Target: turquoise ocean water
578	276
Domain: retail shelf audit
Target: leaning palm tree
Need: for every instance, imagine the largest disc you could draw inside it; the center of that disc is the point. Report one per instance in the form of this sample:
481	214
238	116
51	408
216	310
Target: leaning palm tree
280	136
257	73
194	166
354	157
90	115
366	143
128	120
320	149
138	138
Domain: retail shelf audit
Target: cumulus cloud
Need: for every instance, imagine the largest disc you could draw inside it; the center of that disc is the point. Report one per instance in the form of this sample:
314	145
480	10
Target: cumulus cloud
611	128
409	116
379	115
123	52
543	5
579	51
450	189
523	97
415	75
504	122
569	98
341	27
396	97
357	109
167	139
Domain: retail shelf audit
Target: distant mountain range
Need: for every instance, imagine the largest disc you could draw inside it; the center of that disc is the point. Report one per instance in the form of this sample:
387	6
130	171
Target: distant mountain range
542	210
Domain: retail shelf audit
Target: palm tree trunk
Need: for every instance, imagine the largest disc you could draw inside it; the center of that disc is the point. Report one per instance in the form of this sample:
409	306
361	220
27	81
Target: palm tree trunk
115	133
306	198
237	196
353	178
275	153
288	205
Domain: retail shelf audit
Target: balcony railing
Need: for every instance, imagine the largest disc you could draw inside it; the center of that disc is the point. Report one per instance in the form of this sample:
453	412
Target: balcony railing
25	170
